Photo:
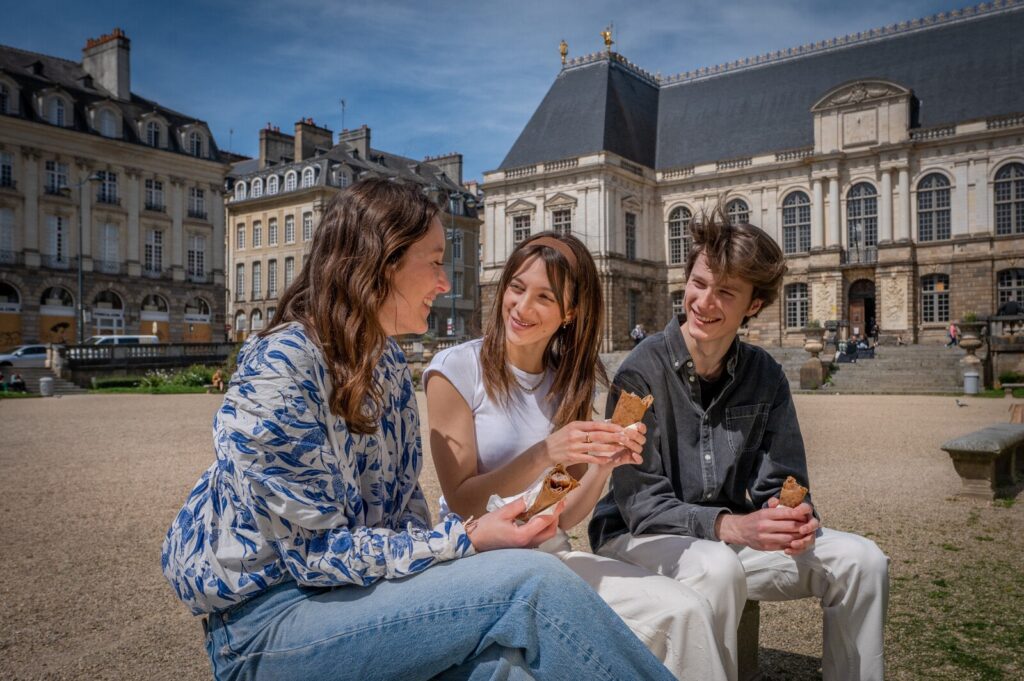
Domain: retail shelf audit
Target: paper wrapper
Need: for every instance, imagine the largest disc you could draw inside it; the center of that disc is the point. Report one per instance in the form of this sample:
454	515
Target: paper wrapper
541	496
630	408
792	494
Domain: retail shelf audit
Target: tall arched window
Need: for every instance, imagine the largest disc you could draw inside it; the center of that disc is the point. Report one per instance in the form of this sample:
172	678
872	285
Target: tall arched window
55	111
195	144
307	178
239	191
1010	285
933	222
797	304
153	134
272	184
862	217
796	223
257	320
5	98
935	298
290	179
679	235
108	123
737	211
677	303
1010	199
240	320
257	188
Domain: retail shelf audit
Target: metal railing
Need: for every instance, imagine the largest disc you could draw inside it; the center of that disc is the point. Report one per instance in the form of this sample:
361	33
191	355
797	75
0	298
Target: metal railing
8	183
108	266
197	213
865	255
200	277
11	258
56	262
108	198
153	273
156	207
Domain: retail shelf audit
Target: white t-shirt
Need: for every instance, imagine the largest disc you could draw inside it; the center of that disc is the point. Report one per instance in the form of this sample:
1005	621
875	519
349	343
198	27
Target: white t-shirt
502	431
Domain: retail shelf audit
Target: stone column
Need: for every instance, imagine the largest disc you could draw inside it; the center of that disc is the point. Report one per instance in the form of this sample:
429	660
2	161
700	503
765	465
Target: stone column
885	209
216	207
30	190
834	232
958	212
903	215
177	226
984	223
132	206
817	216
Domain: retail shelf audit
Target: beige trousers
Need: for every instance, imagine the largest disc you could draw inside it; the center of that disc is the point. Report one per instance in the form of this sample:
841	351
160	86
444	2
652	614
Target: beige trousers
847	573
673	620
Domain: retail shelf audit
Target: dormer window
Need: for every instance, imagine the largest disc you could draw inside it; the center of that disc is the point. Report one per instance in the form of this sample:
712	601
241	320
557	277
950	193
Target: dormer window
272	184
108	123
290	179
5	99
240	191
257	188
307	178
55	111
153	134
195	144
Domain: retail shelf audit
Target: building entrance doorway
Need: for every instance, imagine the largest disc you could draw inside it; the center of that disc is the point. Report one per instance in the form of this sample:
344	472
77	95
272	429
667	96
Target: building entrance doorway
861	308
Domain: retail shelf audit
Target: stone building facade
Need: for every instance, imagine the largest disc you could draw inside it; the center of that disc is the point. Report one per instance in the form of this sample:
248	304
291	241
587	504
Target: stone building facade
889	165
276	201
82	157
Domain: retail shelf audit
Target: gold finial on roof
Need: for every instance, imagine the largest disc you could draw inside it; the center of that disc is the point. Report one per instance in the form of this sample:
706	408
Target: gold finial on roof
563	49
606	35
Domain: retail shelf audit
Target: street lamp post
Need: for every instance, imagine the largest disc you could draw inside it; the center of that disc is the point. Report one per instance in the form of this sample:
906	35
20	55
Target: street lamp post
80	307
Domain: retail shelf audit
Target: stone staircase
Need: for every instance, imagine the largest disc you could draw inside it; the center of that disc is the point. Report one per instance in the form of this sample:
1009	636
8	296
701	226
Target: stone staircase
909	369
32	376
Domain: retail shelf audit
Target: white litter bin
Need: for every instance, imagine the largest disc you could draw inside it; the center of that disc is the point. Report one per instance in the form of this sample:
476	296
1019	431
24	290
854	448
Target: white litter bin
46	386
970	382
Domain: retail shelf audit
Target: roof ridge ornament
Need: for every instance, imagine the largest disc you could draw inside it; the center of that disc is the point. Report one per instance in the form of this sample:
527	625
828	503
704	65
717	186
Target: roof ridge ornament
606	35
563	49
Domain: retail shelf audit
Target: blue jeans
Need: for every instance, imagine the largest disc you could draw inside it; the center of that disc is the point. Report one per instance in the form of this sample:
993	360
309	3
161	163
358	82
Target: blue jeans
509	614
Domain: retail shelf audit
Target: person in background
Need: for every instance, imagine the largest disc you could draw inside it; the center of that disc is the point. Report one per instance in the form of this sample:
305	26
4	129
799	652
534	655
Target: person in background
217	381
307	546
638	334
17	384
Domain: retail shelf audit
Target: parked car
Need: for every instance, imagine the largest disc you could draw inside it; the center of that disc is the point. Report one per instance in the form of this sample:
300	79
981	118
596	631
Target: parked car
24	356
122	340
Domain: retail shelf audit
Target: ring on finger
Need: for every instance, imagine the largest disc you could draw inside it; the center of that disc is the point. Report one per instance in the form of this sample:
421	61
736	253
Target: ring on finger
586	438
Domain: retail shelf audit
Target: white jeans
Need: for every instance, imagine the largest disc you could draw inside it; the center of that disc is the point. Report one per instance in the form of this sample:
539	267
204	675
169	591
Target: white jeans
673	620
847	573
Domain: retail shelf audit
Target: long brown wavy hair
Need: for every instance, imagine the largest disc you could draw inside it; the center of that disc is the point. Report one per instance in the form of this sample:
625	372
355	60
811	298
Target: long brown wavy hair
356	249
572	351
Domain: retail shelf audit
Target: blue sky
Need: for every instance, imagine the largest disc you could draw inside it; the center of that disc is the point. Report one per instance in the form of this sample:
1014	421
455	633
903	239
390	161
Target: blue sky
427	77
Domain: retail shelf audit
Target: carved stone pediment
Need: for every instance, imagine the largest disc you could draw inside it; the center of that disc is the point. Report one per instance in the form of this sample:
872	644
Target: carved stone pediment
520	206
858	93
560	200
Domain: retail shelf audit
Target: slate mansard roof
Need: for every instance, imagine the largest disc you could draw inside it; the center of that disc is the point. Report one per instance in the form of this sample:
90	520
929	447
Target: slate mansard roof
34	72
964	67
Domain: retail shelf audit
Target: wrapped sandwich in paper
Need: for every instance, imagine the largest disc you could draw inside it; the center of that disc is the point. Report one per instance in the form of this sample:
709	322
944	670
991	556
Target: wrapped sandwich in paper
630	408
540	497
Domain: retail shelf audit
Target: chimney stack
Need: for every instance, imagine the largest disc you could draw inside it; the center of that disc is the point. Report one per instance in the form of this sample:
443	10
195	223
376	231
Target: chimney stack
450	165
106	59
309	137
275	146
357	140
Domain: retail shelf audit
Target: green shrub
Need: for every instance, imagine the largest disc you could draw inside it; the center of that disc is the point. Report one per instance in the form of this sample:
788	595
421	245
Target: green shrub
1011	377
195	376
116	381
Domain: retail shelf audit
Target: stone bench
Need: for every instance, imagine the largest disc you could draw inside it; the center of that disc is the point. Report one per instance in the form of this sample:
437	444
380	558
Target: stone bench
1008	388
748	639
988	460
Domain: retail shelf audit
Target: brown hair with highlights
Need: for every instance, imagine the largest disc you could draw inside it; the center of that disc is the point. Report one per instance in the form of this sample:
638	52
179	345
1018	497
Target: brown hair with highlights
356	249
738	250
572	351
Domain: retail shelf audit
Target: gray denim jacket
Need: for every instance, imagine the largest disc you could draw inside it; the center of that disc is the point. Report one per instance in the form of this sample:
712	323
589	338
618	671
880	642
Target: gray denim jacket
698	464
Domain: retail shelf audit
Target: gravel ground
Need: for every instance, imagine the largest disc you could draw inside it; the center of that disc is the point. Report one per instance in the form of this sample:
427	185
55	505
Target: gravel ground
90	484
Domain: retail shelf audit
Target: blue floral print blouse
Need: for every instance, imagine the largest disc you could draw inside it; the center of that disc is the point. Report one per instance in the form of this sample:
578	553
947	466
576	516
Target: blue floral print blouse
294	495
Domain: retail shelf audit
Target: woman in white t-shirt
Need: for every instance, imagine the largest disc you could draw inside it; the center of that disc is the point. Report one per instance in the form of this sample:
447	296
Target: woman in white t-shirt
506	407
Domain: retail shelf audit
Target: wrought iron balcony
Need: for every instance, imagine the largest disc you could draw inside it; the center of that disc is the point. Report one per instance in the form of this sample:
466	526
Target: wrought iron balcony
11	258
8	183
859	255
108	266
156	207
109	198
198	213
56	262
199	277
153	272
